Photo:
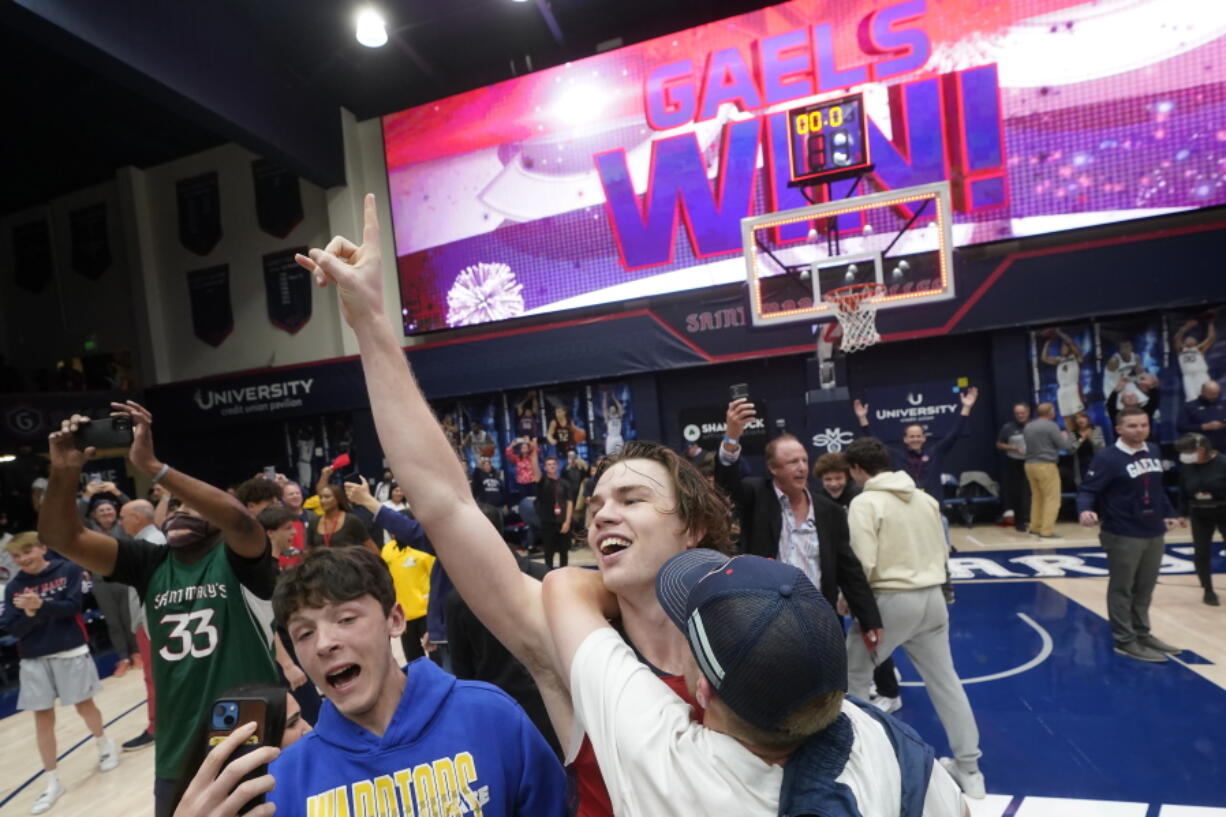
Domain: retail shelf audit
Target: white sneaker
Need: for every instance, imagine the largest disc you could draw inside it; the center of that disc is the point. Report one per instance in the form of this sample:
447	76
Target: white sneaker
971	783
885	703
53	792
108	755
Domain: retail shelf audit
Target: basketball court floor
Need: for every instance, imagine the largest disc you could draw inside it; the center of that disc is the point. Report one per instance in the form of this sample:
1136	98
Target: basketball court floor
1068	728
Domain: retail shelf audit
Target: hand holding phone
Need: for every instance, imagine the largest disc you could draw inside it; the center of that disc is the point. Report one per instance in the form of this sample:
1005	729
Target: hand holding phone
209	793
263	706
108	432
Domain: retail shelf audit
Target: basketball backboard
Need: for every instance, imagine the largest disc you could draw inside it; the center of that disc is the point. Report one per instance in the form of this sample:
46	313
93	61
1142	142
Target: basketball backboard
901	239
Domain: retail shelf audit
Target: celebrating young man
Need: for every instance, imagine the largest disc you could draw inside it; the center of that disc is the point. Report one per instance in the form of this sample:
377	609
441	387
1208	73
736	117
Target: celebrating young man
630	543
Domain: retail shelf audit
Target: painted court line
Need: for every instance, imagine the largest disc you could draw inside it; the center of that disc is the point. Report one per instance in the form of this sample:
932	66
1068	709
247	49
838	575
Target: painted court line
1044	653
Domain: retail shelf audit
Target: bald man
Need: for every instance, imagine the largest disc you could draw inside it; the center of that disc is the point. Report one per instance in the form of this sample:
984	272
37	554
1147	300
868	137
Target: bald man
1206	415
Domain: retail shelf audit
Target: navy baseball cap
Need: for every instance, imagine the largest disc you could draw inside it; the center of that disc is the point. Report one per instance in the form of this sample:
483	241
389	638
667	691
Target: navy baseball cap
764	637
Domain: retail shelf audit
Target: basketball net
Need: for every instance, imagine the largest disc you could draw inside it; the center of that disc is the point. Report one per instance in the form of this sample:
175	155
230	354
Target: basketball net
857	314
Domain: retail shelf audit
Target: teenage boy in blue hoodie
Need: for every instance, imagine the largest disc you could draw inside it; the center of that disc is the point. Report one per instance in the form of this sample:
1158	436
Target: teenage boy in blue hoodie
390	740
42	608
1123	488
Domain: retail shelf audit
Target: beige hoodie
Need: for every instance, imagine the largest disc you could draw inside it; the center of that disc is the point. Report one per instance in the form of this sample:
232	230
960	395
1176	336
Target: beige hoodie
897	534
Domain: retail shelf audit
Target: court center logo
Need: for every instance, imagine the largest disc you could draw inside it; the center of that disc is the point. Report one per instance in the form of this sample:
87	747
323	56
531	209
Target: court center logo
832	440
691	433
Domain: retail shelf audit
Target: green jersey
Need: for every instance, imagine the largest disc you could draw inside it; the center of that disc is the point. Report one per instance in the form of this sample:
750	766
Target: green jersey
210	628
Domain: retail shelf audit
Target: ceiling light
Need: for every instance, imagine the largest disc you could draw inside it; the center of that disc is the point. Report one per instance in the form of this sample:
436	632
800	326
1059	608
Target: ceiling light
371	28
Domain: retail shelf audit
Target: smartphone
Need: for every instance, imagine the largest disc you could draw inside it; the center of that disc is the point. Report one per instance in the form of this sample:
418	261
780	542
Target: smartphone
739	391
270	473
265	705
108	432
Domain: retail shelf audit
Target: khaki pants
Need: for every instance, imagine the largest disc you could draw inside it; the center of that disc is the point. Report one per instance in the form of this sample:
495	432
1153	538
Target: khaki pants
1044	479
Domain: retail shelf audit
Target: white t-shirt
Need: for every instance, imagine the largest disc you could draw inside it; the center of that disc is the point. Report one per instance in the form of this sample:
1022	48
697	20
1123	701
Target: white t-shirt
655	761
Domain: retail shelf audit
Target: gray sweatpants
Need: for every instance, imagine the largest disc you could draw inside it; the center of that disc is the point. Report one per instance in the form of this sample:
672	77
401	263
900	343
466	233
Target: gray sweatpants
918	621
112	598
1133	563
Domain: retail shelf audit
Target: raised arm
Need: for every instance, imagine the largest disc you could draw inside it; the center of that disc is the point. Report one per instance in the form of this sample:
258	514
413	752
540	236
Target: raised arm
243	533
479	563
59	524
1210	338
577	605
1045	355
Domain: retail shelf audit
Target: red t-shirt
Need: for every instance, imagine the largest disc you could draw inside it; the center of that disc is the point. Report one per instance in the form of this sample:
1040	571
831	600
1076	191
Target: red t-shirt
593	796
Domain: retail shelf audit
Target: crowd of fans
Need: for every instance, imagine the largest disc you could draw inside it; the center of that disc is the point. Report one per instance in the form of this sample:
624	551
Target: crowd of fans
703	665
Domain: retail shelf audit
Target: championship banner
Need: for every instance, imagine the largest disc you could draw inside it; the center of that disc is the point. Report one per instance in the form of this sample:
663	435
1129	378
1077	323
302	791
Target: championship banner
287	289
91	244
199	212
1063	363
209	291
278	199
32	255
705	425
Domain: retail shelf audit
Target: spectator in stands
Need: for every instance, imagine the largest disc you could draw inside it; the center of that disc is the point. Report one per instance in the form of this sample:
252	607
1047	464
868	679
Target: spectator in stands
897	535
113	597
1012	441
523	453
487	489
1123	397
383	490
786	518
259	493
1123	489
338	527
1206	414
917	454
555	508
837	485
1043	442
1202	495
1085	440
42	609
213	541
278	522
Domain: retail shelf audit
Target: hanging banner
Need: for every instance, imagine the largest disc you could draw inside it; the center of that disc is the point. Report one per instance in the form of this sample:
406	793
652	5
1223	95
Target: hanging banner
91	244
209	291
480	421
705	425
565	424
287	289
1197	348
278	199
32	255
199	212
934	405
1064	361
613	421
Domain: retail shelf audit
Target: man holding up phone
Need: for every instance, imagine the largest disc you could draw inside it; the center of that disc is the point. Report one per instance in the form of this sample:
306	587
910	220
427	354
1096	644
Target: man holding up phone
206	594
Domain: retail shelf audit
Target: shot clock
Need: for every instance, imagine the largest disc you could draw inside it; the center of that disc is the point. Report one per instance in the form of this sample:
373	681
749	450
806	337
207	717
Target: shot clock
827	141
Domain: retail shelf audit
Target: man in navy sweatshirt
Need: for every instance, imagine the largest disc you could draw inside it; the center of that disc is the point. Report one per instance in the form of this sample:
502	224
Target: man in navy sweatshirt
1123	489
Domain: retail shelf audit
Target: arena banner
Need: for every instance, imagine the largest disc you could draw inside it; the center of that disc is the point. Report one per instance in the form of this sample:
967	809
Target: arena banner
934	405
627	174
565	423
209	292
90	240
1134	355
612	417
1197	349
32	262
199	200
27	419
705	425
287	290
1064	362
278	198
830	424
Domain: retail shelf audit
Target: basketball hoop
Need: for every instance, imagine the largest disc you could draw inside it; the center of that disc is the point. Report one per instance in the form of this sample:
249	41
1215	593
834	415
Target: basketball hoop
857	314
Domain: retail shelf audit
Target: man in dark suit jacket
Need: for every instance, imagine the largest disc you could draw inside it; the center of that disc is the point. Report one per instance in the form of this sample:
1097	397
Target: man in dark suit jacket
760	503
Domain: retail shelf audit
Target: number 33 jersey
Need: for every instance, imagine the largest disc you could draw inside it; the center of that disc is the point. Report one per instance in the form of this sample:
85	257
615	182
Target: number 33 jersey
210	628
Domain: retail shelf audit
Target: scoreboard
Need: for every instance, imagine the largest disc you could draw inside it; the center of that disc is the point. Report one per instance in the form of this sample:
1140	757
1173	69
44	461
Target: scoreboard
827	141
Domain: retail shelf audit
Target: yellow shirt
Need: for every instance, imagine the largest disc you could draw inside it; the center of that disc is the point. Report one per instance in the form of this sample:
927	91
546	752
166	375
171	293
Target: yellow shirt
410	569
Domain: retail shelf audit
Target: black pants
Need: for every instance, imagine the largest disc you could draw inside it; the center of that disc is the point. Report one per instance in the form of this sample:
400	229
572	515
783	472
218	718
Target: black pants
554	541
410	639
1017	492
883	678
1204	521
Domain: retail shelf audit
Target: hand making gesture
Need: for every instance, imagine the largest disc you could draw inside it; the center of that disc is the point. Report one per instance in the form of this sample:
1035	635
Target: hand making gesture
356	270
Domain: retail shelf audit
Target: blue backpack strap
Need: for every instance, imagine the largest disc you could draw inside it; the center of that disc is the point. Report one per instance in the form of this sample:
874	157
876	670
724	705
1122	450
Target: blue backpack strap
915	758
809	778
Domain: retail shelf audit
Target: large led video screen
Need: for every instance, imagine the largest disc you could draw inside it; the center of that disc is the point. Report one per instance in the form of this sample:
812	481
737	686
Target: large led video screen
626	175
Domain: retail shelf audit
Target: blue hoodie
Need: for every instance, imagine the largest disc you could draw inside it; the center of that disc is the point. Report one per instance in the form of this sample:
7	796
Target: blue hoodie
57	626
1126	491
464	743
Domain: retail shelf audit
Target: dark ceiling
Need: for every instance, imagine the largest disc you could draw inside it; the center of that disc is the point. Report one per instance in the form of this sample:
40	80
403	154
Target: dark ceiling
88	93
